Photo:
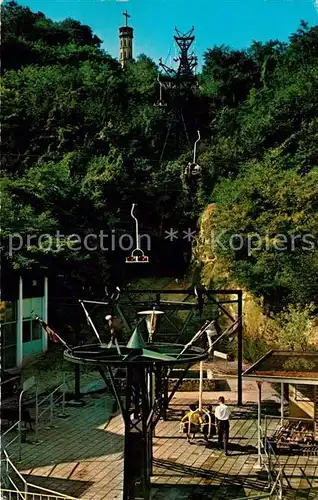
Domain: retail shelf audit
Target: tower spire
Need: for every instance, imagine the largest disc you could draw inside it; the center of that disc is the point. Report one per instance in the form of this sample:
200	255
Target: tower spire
126	35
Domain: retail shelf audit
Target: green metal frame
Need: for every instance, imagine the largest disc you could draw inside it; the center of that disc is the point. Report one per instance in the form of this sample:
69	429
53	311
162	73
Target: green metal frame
140	413
130	299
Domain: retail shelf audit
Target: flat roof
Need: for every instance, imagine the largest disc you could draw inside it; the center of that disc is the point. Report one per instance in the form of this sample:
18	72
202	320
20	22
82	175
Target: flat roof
286	366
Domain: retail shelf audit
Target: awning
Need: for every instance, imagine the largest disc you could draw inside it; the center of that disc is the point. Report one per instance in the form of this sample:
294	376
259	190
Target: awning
289	367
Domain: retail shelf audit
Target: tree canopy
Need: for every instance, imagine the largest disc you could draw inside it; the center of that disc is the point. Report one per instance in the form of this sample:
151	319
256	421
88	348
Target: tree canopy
82	141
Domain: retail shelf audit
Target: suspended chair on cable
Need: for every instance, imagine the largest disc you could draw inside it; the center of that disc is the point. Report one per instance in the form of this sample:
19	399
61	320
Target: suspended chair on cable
193	169
160	103
137	255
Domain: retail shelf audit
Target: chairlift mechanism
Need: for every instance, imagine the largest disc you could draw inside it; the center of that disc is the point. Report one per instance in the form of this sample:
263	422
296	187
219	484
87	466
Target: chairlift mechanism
160	103
193	169
134	258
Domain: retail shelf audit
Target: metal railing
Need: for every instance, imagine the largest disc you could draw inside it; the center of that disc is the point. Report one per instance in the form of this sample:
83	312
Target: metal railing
275	493
43	494
274	470
17	428
52	400
44	407
23	491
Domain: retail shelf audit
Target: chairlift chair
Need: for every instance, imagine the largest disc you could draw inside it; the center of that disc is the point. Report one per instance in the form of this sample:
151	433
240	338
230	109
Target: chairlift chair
137	255
160	103
140	259
193	169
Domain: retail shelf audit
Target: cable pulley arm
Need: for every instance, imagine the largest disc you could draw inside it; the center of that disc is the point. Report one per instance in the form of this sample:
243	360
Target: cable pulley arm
195	147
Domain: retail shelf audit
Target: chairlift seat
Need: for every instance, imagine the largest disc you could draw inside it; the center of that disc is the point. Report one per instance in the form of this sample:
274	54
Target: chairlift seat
160	104
193	169
137	259
137	255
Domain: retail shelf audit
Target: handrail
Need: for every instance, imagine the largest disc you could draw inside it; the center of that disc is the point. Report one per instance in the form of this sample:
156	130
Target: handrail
15	493
51	404
51	492
30	495
7	458
17	437
267	496
10	429
28	485
51	393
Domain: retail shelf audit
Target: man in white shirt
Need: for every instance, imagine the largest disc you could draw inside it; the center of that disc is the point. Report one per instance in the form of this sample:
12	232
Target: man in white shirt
222	415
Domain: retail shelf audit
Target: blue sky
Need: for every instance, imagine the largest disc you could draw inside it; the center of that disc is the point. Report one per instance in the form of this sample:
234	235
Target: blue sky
231	22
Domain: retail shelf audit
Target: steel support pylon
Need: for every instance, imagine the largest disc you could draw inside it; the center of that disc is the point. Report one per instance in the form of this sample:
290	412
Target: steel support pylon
143	403
138	442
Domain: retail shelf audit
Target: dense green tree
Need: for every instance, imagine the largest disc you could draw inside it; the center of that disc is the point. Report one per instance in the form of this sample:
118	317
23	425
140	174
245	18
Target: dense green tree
82	141
266	224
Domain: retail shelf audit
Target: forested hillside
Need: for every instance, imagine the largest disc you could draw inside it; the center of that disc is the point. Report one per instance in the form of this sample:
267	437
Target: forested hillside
81	142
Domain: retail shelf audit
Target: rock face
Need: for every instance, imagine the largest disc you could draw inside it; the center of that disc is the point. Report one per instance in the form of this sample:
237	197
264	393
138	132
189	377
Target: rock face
214	273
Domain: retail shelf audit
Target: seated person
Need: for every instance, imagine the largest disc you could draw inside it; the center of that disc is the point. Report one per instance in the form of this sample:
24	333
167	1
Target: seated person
192	421
208	417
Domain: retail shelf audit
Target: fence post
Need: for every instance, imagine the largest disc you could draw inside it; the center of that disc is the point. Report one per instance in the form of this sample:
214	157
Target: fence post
51	409
19	425
62	414
64	391
36	415
259	424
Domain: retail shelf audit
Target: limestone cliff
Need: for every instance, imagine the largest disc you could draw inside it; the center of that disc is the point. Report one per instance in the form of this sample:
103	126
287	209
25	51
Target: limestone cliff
214	273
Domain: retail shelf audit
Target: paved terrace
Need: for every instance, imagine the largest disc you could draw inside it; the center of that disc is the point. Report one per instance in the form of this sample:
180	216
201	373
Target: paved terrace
83	457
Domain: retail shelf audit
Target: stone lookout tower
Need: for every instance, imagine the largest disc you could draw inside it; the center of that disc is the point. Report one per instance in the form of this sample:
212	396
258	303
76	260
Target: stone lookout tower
126	34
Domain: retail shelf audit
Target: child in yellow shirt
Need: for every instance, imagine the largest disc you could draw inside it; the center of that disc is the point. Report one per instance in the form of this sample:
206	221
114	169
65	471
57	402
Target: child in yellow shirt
192	421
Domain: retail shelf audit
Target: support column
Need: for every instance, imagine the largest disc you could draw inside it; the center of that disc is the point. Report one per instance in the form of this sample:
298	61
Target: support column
77	375
45	312
316	412
282	404
259	423
239	347
201	386
161	390
20	325
137	468
165	393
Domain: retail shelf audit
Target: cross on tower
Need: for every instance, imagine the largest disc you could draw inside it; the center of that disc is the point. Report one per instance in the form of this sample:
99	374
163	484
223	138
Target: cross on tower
126	16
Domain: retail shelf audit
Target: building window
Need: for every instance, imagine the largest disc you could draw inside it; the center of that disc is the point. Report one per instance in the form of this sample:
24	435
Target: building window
8	312
31	330
9	345
8	317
